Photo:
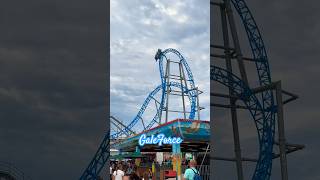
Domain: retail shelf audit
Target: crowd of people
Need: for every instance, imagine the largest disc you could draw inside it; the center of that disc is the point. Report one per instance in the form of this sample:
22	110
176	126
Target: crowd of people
127	170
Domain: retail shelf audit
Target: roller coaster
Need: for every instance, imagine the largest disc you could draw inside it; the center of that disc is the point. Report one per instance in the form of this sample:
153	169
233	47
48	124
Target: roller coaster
264	102
181	84
187	88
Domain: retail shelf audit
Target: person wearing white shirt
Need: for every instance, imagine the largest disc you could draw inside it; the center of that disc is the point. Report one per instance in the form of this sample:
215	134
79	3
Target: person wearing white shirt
110	172
118	174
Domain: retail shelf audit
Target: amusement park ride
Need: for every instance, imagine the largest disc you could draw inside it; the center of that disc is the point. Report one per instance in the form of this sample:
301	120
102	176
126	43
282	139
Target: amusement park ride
264	100
176	81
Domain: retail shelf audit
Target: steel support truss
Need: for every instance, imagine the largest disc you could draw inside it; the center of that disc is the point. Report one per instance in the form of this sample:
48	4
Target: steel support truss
264	103
181	84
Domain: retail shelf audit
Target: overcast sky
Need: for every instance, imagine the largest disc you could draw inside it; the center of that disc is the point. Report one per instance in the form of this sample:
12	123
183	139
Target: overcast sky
290	31
138	29
53	85
53	78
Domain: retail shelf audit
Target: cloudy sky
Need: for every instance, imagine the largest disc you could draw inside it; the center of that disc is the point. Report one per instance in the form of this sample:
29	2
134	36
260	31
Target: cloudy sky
53	85
53	81
290	30
138	29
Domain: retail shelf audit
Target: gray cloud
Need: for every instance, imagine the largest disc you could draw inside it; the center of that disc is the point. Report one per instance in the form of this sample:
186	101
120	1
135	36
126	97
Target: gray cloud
53	78
289	29
138	29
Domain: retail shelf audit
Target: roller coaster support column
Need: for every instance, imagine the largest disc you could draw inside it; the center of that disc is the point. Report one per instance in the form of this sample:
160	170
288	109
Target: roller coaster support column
234	34
180	80
284	147
176	161
236	136
282	140
183	78
167	89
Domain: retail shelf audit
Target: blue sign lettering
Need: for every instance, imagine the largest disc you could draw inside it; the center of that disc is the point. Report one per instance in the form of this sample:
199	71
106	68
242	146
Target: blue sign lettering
159	139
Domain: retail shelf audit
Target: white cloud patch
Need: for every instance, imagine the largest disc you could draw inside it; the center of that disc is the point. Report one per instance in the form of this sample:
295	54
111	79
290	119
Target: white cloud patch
138	29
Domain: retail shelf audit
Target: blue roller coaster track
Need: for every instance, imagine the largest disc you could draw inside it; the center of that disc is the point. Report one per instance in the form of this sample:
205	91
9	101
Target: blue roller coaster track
265	127
261	106
102	154
161	57
263	109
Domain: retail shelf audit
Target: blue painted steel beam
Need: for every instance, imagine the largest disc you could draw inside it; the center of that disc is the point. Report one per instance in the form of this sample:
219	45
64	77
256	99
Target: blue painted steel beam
97	163
264	165
260	110
102	153
265	124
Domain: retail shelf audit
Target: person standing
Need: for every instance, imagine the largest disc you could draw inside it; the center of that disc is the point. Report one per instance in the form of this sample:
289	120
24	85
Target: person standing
111	170
118	174
129	169
134	175
191	173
